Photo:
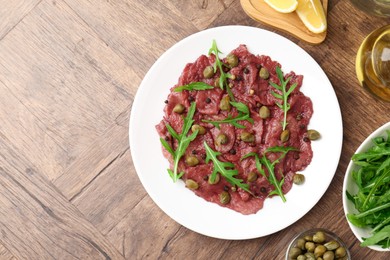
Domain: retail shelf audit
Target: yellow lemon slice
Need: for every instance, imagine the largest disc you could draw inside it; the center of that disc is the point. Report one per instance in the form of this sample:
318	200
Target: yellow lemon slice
312	15
283	6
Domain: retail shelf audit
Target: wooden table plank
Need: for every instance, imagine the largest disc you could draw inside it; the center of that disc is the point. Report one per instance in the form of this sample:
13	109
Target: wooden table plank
12	12
145	232
106	149
200	13
55	65
130	28
44	225
5	254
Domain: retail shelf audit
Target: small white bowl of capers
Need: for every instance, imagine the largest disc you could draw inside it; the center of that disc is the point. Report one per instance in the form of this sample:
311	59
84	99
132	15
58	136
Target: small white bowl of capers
317	244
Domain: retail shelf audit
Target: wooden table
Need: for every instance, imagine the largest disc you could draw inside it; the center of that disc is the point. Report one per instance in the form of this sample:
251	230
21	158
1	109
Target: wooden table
69	71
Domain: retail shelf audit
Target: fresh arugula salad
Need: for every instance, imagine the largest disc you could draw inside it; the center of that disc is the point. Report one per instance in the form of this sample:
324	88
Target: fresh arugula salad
373	198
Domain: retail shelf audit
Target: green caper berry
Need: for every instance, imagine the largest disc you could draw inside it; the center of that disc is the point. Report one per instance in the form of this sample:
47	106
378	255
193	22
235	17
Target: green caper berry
301	257
216	180
332	245
221	139
232	60
340	252
299	179
192	161
308	238
191	184
225	103
310	246
301	243
264	112
201	129
252	176
264	73
208	72
328	255
294	252
216	83
313	134
285	135
179	109
319	250
247	137
310	256
224	197
319	236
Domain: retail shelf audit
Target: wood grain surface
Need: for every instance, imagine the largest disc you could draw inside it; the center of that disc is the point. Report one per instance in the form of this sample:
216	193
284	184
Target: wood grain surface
69	72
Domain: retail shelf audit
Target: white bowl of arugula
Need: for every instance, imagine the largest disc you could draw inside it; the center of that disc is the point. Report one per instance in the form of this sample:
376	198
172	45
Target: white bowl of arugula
366	191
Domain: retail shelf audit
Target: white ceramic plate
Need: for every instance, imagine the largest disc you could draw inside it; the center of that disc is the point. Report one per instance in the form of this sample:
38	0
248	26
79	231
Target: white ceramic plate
183	205
350	186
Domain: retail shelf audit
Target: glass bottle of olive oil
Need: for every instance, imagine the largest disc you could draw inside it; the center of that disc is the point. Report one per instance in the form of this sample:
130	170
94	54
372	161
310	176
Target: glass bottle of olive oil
373	63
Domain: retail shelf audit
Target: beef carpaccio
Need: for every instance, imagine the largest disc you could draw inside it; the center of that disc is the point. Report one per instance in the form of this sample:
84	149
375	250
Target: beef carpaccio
249	80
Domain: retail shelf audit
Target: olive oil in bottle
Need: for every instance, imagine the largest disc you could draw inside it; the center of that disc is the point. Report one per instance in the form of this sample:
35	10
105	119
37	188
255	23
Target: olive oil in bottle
373	63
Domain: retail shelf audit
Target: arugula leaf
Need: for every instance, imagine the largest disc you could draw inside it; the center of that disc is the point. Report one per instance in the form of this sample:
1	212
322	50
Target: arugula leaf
243	114
193	86
270	166
226	169
183	142
380	238
373	197
284	105
219	64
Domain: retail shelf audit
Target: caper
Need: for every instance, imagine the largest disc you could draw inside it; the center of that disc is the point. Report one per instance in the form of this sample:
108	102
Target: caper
221	139
224	197
301	257
310	256
192	161
216	179
201	129
313	134
319	250
179	109
310	246
191	184
301	243
264	73
340	252
217	83
308	238
319	236
285	135
247	137
225	103
294	252
208	72
328	255
252	176
264	112
299	179
332	245
232	60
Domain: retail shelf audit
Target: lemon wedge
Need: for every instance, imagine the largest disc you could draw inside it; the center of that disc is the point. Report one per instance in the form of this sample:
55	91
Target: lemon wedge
312	15
283	6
